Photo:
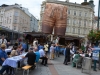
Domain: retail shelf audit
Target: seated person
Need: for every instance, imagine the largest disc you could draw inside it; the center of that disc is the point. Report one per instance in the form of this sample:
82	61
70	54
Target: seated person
14	51
16	44
82	54
24	45
31	58
37	56
43	56
75	58
19	50
3	56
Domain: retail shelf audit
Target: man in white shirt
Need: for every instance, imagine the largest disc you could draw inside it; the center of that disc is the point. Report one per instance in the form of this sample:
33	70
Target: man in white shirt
3	40
43	57
35	43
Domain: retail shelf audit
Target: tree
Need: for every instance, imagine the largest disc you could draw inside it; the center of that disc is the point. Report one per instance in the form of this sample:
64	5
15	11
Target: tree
92	35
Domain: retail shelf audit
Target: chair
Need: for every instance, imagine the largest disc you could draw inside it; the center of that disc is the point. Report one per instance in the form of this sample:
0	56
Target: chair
26	68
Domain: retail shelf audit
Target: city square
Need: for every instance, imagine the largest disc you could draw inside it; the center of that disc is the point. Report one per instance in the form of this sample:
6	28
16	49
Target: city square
49	37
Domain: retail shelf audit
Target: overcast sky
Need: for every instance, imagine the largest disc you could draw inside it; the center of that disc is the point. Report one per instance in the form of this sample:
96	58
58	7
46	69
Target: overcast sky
35	5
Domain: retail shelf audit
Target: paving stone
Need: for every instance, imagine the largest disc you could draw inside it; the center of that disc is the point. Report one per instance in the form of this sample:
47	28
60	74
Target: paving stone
59	67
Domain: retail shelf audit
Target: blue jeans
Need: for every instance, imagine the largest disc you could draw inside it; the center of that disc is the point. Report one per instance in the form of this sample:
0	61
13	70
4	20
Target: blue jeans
95	62
6	67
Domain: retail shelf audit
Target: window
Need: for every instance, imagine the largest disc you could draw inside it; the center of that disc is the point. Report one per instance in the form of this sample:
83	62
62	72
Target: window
7	20
14	27
84	31
68	21
67	29
10	14
74	12
15	21
91	14
16	13
79	22
79	13
25	30
84	23
85	14
43	8
78	31
73	30
10	21
73	21
68	11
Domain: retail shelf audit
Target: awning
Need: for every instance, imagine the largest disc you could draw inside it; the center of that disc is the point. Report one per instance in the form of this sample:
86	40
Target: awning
36	33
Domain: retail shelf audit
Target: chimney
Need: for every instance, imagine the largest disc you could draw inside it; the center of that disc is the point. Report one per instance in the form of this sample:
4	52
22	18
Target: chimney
67	0
91	3
85	3
85	0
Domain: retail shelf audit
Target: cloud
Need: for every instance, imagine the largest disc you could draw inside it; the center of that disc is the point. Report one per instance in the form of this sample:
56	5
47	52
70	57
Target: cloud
34	6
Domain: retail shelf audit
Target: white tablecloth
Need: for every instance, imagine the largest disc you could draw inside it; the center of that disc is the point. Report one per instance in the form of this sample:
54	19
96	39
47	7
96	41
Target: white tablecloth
7	50
13	60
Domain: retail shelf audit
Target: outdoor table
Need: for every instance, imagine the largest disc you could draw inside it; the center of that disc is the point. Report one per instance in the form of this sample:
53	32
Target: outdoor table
13	61
7	50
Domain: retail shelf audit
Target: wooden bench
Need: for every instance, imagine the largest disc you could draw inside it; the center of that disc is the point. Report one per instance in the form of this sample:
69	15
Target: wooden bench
26	68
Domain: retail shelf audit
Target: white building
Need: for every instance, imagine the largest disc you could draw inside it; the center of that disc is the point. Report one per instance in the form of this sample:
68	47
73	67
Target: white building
80	17
14	18
34	24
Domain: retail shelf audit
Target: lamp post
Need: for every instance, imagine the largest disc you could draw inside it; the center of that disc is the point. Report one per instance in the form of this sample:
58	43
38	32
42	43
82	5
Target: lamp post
98	15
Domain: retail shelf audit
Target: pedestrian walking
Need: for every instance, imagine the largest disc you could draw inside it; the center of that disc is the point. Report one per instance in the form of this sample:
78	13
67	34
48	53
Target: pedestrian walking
52	51
67	55
57	50
46	48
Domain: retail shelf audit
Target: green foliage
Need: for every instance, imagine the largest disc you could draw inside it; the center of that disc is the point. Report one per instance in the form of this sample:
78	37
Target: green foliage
94	35
91	35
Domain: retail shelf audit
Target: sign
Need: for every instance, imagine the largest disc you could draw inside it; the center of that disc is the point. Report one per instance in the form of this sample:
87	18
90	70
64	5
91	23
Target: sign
96	54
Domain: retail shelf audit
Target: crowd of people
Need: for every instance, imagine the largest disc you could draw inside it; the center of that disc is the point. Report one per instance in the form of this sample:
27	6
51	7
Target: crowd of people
44	52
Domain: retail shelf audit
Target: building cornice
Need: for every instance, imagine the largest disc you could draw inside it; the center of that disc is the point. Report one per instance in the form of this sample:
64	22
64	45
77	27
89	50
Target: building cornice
17	8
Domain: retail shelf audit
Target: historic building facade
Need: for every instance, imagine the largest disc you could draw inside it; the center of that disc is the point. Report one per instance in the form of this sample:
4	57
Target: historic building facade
34	24
14	18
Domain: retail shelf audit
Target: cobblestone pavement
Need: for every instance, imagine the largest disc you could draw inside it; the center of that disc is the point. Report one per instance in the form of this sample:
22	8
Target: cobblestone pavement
56	67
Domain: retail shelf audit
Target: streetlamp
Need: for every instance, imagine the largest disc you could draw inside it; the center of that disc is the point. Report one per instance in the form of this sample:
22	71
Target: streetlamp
98	15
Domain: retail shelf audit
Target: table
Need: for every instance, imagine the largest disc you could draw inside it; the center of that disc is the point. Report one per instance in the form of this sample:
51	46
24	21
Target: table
7	50
13	60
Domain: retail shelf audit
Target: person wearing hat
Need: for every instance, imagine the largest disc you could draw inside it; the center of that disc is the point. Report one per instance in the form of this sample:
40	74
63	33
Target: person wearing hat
3	56
43	57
